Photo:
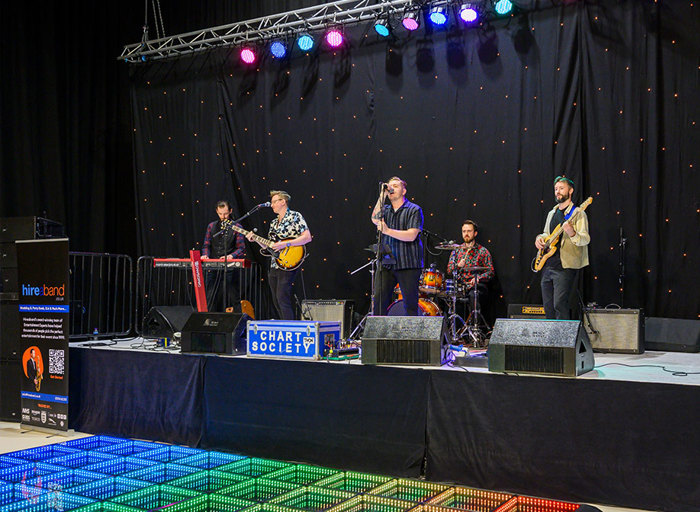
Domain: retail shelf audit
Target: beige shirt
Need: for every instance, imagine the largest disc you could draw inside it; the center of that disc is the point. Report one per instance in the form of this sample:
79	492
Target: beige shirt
572	250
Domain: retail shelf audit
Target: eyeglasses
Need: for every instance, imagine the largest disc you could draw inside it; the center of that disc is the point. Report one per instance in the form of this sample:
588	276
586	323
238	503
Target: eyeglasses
563	178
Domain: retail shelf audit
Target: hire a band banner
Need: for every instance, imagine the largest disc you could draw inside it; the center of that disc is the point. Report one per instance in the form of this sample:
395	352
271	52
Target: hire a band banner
42	269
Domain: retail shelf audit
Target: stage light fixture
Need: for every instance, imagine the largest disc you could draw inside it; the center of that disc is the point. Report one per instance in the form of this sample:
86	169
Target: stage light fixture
381	27
438	15
468	13
248	55
278	49
411	21
503	7
334	38
305	42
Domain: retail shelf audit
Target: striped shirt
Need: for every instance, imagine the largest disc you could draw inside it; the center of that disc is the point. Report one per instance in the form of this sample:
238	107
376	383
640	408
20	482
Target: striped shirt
407	254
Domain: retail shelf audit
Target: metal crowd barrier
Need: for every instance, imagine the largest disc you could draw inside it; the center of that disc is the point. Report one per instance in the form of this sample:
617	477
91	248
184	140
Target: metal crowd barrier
172	286
101	295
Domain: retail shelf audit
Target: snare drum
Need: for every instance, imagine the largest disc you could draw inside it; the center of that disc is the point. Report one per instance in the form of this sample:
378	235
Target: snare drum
431	280
426	307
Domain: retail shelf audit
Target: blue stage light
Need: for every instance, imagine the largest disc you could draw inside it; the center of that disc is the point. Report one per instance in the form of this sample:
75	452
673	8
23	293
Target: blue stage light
305	42
278	49
438	16
382	28
503	6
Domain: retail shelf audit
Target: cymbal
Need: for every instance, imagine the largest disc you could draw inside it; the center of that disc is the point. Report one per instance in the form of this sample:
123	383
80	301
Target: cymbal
448	247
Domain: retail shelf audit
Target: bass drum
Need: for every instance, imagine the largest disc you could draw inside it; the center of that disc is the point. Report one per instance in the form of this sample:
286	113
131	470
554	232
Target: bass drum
426	307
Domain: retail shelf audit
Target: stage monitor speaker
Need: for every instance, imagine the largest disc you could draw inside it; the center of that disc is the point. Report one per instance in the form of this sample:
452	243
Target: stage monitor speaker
164	321
218	333
10	374
403	340
672	334
615	330
551	347
9	329
526	311
330	310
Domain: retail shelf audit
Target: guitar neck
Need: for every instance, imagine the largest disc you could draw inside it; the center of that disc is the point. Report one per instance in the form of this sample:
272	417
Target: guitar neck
257	238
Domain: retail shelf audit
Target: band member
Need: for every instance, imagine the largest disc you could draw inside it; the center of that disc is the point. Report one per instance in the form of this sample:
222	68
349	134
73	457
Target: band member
400	223
471	254
221	241
561	269
288	229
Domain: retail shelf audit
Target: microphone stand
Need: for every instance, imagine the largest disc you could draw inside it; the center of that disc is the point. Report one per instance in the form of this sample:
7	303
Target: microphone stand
621	277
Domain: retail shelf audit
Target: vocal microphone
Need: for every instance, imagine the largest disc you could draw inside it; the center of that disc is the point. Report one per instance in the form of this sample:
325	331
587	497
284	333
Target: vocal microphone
263	205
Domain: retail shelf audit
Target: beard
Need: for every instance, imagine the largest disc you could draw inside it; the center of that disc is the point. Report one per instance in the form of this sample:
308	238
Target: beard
563	198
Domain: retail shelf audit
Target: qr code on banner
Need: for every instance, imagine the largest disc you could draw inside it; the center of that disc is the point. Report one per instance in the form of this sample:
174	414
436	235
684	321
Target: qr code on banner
56	361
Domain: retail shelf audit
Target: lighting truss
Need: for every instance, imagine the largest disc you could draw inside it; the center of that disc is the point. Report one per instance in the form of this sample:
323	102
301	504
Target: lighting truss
341	12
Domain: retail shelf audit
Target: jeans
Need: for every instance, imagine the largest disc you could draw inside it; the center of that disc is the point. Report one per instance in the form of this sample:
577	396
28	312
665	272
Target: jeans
281	282
557	285
384	289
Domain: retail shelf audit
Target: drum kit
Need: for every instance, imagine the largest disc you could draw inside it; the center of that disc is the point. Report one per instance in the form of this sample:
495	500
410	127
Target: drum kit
433	287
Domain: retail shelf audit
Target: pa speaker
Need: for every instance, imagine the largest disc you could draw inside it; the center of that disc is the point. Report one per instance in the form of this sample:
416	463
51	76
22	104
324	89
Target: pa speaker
9	329
164	321
552	347
10	372
672	334
218	333
329	311
403	340
615	330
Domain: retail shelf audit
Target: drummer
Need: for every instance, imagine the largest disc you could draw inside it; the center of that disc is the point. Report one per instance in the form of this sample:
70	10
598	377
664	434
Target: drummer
469	255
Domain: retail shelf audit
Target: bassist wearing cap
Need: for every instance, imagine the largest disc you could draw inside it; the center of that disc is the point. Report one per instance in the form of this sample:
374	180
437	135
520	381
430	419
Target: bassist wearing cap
288	235
562	250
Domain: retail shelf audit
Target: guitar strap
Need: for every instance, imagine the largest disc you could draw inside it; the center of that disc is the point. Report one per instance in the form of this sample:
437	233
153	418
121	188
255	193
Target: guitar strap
568	215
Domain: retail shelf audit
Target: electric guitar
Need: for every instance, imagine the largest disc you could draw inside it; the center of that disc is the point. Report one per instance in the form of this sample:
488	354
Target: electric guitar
289	258
550	242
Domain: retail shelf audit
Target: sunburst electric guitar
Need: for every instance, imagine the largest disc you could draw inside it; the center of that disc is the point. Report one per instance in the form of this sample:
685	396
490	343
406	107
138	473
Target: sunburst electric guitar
289	258
550	243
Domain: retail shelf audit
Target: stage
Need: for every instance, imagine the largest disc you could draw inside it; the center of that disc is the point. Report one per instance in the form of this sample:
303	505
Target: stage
624	434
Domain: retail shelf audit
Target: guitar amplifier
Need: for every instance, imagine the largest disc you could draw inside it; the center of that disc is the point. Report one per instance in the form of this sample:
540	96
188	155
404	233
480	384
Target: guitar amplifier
526	311
331	310
615	330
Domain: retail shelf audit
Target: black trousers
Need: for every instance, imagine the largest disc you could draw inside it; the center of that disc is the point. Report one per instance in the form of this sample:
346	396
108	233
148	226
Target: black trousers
557	286
214	285
384	283
281	282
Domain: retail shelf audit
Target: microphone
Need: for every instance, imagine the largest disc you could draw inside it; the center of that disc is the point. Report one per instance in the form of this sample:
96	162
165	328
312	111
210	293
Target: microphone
263	205
385	186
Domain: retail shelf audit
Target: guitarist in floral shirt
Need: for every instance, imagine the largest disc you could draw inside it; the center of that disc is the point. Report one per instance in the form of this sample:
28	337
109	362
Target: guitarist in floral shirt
471	254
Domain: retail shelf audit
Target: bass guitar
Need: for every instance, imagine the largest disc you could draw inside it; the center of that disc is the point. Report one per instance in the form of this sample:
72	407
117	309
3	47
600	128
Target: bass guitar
289	258
550	242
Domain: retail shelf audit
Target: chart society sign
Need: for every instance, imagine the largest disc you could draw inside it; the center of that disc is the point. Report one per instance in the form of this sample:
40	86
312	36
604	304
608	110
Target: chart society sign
42	270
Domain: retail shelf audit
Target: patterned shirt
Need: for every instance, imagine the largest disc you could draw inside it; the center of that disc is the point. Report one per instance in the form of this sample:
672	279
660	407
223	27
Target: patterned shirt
477	256
407	254
292	225
236	241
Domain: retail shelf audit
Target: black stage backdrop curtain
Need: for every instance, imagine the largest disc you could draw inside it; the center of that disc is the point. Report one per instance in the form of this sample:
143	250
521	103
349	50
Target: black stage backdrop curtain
65	122
137	394
477	121
366	410
535	438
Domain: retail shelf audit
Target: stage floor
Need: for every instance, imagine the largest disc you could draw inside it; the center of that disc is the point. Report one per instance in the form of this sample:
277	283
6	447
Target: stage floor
651	366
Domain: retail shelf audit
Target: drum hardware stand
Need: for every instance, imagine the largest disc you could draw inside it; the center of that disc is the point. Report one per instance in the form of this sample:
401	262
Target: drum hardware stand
472	327
452	310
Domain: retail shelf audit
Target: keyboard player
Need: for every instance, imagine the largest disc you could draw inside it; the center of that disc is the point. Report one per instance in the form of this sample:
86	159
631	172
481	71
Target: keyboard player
221	241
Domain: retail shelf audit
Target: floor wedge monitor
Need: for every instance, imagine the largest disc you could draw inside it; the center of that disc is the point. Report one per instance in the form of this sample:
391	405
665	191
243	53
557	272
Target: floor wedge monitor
547	347
403	340
218	333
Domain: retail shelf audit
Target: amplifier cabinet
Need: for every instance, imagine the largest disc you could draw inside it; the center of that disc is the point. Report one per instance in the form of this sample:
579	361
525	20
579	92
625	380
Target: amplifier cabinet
526	311
615	330
331	310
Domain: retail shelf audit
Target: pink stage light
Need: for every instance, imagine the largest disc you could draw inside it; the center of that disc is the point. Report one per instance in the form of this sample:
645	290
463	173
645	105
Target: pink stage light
247	55
334	38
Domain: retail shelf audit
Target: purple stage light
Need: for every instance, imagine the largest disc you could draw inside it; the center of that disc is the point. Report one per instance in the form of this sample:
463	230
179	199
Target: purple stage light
334	38
247	55
468	13
410	21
